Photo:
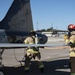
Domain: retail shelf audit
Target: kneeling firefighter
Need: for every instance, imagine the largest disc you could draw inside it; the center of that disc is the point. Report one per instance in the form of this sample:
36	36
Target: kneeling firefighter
32	52
70	40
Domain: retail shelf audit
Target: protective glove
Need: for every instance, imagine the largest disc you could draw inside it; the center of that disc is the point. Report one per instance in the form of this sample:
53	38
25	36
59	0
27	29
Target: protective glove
66	37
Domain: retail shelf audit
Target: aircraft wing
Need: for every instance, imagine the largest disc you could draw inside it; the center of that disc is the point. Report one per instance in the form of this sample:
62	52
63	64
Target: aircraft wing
13	45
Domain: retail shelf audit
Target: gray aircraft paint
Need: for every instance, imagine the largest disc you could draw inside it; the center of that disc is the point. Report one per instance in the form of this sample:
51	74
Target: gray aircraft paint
18	17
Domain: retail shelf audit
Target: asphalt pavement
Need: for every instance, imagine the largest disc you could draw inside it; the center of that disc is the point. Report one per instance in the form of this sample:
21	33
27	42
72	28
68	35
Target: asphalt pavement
55	59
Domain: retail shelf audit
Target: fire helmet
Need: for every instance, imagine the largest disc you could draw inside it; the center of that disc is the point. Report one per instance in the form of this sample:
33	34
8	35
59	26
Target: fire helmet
71	27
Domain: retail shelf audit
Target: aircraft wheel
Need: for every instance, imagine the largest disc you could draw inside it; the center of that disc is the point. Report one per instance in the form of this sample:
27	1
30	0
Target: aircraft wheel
1	73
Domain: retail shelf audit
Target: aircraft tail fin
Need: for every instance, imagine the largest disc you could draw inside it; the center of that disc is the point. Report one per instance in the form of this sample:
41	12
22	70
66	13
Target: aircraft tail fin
18	17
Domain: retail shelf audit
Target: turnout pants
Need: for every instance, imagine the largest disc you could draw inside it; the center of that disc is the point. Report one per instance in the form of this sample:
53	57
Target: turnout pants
35	56
72	60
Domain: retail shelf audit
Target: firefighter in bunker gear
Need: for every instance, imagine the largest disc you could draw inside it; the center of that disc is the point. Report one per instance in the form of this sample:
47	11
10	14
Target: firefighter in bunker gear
32	52
71	42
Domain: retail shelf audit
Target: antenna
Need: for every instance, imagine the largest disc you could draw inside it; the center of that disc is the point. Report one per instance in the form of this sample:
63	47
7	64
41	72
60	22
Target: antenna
37	25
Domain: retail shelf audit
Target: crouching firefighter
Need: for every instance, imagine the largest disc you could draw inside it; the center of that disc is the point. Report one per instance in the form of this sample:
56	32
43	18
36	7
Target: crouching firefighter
32	52
70	40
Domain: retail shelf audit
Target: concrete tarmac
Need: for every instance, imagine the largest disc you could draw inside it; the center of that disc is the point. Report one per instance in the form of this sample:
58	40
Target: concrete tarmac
55	59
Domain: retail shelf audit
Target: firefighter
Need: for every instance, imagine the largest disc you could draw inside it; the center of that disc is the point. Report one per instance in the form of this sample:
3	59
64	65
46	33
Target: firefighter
32	52
70	40
70	37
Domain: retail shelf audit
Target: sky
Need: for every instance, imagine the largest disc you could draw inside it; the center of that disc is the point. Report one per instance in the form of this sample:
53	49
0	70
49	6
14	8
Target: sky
47	13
